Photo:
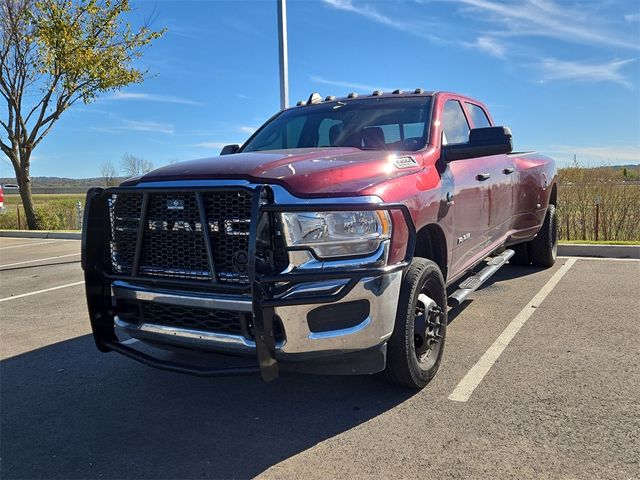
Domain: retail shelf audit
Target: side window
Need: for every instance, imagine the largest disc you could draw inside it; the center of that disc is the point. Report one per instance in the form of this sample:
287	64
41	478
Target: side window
454	124
478	116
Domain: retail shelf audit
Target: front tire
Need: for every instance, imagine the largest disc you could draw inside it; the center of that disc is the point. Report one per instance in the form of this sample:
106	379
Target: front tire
415	348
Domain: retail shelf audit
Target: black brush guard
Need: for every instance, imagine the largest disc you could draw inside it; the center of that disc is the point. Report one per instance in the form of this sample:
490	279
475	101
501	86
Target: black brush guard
98	280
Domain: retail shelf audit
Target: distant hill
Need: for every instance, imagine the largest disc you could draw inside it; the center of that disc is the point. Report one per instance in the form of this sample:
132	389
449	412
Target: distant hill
60	184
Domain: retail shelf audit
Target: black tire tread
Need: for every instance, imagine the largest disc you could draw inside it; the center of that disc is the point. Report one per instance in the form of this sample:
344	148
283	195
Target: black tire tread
521	255
541	247
400	369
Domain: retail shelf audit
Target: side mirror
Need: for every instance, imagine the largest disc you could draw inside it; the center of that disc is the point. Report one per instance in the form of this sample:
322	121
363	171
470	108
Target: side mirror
482	143
230	149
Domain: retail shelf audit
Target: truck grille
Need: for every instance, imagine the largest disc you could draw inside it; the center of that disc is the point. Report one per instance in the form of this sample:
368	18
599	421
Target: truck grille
173	240
219	321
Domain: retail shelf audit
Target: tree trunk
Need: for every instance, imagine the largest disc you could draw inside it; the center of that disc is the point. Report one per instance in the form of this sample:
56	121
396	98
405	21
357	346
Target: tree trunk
24	182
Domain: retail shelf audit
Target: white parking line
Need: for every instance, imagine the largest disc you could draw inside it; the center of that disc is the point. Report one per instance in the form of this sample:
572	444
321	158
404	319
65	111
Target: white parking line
49	242
474	376
22	295
604	259
39	260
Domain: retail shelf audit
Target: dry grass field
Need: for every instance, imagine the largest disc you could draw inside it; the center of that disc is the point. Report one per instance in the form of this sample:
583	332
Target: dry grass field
55	211
599	204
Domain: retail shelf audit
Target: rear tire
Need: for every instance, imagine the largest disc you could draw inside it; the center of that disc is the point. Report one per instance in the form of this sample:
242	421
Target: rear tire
415	348
544	248
521	255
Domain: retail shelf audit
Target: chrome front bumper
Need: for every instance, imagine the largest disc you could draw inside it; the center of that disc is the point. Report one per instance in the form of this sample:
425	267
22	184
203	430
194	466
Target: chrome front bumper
290	298
299	341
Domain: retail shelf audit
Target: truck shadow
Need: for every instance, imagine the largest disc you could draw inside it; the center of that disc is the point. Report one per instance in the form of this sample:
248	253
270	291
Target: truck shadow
71	412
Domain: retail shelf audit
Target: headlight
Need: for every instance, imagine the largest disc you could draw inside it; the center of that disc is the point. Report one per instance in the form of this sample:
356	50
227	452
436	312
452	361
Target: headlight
337	234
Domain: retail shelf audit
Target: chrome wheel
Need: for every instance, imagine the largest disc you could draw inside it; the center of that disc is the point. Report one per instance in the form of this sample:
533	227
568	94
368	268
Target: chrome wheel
427	330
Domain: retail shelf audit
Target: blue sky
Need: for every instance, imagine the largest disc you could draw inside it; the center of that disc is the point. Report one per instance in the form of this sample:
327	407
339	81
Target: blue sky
563	75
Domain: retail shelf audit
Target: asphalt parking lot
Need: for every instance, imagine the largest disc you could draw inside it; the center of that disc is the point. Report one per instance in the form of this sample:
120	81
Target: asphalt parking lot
541	378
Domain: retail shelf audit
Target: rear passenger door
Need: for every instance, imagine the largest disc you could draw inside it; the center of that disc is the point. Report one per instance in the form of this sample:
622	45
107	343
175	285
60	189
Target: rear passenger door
499	184
470	196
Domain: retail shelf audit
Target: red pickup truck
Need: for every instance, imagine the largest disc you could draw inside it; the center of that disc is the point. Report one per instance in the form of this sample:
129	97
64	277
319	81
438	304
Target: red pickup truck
326	243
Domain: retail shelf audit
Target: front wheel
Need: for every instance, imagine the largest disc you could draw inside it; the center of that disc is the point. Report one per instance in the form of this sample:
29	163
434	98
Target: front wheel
415	348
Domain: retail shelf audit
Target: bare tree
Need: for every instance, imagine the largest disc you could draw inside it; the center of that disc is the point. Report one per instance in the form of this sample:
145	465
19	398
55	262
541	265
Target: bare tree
54	53
132	165
108	173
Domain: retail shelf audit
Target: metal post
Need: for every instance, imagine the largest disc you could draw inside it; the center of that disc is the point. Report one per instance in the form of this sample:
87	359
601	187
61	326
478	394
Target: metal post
283	54
598	200
79	216
597	220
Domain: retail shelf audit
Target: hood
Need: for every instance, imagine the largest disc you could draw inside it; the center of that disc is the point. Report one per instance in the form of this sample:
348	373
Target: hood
304	172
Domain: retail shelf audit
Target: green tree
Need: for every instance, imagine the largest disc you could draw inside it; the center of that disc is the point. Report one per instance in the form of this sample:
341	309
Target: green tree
54	53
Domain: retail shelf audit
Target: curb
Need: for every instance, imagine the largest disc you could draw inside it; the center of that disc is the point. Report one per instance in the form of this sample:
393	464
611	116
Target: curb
602	251
41	234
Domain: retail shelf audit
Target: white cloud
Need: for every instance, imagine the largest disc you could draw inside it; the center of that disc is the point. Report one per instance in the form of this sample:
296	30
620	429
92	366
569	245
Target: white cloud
371	13
367	11
126	125
208	145
554	69
146	126
632	17
247	129
150	97
596	153
546	18
488	45
358	87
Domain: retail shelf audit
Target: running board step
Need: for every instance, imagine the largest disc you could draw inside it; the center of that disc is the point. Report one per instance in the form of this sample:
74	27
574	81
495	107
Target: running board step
472	283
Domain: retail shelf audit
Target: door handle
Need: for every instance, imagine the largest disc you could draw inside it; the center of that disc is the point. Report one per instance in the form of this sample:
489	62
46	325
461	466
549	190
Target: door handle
483	176
508	171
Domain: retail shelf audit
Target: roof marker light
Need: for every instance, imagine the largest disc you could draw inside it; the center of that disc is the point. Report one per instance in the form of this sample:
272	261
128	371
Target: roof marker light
418	90
299	103
377	93
397	92
314	98
329	98
352	95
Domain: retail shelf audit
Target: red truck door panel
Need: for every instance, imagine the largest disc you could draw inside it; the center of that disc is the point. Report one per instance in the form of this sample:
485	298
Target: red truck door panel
470	194
470	213
496	173
500	183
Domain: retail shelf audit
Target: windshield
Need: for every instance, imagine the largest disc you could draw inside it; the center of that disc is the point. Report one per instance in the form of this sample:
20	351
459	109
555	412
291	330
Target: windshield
384	123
